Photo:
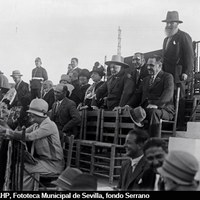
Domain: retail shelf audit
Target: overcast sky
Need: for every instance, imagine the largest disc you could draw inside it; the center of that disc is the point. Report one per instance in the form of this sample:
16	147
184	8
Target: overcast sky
57	30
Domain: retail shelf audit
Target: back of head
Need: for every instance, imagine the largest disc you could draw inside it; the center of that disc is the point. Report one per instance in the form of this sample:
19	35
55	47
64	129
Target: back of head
84	182
141	135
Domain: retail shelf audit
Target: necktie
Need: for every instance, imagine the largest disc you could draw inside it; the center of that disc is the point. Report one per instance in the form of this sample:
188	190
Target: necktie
57	106
167	43
151	80
137	75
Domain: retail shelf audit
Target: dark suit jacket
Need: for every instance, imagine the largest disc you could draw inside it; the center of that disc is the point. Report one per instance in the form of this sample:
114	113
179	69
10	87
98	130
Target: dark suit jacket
49	98
179	55
22	91
148	180
160	93
128	180
115	87
67	118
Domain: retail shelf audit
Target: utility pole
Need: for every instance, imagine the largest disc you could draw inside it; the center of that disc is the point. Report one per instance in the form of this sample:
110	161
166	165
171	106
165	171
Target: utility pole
119	42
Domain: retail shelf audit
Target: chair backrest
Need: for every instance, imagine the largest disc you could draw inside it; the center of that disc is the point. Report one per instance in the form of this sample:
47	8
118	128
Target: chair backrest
125	125
174	121
81	126
109	128
91	124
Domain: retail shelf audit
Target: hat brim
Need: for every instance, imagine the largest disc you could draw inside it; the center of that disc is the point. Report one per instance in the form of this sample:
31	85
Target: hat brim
179	21
118	63
164	173
16	75
139	124
37	113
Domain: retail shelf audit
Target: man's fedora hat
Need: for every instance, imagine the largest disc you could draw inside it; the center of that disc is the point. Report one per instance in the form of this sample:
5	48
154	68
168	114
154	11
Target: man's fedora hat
172	16
119	60
16	73
137	115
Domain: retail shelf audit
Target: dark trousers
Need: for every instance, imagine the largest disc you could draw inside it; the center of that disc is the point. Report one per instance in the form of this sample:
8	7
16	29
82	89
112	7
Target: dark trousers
35	93
153	117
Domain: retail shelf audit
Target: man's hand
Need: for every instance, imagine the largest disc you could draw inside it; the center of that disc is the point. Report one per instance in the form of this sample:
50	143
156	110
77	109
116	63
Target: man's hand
184	77
94	107
152	106
120	109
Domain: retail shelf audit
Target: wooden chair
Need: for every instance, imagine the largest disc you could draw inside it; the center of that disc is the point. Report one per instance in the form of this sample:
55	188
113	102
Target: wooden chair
164	131
85	146
125	125
108	154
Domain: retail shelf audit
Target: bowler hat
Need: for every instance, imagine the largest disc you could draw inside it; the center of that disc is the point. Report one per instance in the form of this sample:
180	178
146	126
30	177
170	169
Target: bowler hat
16	73
119	60
66	178
137	115
180	166
38	107
172	16
98	68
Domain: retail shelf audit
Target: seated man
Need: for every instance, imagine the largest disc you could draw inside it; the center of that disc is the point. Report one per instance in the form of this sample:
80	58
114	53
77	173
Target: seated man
48	152
64	112
115	86
132	169
155	96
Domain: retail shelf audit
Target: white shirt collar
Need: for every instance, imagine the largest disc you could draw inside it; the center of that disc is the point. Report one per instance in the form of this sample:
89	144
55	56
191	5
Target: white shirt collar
135	161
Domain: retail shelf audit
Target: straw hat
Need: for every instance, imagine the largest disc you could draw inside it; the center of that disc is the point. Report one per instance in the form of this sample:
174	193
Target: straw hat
119	60
16	73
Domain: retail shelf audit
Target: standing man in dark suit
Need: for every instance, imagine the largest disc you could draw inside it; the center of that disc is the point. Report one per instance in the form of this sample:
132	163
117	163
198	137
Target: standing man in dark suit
39	75
178	57
155	96
64	112
133	168
21	87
